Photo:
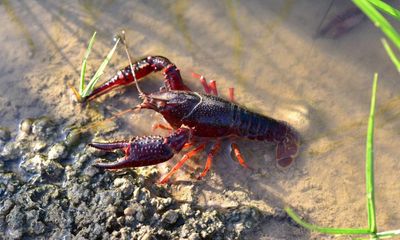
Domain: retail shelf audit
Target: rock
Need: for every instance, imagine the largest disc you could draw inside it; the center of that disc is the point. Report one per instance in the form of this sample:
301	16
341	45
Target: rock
33	165
46	168
43	127
10	152
39	145
73	138
5	134
169	217
129	211
57	152
26	125
52	170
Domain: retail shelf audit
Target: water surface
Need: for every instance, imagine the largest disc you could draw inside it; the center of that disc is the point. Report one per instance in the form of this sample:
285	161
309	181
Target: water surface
268	51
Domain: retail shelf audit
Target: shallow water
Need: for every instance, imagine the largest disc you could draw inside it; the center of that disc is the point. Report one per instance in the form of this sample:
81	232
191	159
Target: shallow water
268	51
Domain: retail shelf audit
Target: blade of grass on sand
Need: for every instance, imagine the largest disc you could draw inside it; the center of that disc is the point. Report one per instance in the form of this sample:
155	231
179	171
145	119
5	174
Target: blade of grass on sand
379	21
386	8
327	230
369	163
391	54
89	88
83	69
388	234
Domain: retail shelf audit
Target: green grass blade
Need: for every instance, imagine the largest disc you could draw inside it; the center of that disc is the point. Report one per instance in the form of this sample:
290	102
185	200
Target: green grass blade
99	72
83	68
388	234
379	21
386	8
327	230
369	166
391	54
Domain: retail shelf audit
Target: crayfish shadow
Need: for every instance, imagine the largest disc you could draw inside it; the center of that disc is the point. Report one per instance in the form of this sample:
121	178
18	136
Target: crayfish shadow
228	184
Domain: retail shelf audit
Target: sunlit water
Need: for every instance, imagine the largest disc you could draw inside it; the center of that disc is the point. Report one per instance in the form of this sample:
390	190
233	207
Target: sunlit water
268	51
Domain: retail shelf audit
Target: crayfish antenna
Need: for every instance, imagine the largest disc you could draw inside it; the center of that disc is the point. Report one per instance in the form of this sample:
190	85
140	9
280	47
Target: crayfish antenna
142	95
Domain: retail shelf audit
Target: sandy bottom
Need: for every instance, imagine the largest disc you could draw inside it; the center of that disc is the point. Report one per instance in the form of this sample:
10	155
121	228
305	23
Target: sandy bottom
267	51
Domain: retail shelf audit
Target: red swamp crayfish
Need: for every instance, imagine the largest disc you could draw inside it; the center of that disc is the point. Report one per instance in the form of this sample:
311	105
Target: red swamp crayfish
194	119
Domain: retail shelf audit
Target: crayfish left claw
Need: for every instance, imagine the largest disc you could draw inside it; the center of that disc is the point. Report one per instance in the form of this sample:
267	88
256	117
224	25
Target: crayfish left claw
146	150
110	146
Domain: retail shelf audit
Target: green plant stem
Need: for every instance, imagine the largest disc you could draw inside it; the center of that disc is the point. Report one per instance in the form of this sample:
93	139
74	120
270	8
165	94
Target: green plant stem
391	54
379	21
386	8
388	234
327	230
83	68
89	88
369	164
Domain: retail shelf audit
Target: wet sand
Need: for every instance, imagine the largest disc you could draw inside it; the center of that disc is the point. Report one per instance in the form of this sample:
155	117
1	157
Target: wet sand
268	52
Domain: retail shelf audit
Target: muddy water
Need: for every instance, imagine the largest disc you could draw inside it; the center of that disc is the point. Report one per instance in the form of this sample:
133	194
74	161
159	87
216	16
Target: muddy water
268	51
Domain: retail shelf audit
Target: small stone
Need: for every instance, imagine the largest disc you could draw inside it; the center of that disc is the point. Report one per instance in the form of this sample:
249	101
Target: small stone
129	211
5	134
57	151
169	217
38	146
121	220
33	165
91	171
40	165
10	152
147	236
186	209
6	207
119	182
73	138
52	170
140	215
42	127
26	125
194	236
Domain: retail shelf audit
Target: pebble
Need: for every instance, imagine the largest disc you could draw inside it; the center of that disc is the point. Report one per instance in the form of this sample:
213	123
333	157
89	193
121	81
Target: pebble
73	138
26	125
57	152
169	217
39	146
5	134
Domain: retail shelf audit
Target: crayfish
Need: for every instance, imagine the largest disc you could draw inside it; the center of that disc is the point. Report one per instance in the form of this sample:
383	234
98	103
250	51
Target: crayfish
194	118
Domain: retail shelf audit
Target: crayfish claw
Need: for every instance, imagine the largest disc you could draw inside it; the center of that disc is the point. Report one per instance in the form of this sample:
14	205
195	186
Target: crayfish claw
122	163
145	150
110	146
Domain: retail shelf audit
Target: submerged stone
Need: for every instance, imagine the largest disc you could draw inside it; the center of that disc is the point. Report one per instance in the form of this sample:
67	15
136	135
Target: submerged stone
26	125
43	127
57	152
5	134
